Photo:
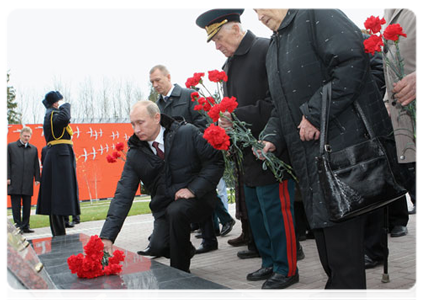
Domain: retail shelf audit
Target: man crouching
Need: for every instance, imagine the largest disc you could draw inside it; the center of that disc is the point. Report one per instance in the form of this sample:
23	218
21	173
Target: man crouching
180	169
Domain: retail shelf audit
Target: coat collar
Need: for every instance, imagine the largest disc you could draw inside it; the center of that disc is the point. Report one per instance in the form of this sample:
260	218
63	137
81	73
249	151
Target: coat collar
167	122
176	92
243	48
246	43
290	15
19	143
391	16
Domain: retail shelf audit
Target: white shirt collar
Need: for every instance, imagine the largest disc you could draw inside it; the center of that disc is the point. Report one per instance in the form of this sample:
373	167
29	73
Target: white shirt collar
170	92
159	139
26	145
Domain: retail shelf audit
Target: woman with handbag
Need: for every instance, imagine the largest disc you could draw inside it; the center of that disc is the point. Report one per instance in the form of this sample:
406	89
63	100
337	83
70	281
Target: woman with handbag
321	86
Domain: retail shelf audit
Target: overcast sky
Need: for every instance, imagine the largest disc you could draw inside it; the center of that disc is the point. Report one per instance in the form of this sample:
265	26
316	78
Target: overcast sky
73	44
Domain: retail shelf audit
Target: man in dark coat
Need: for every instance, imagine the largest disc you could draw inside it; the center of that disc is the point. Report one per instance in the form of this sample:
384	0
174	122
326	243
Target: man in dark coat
269	203
58	195
22	168
180	169
175	101
308	49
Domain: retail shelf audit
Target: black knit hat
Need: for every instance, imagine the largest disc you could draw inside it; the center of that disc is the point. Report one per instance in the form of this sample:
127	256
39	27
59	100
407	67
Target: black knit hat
214	19
51	98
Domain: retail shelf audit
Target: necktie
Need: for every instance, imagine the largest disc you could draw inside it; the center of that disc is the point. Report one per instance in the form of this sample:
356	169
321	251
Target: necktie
158	150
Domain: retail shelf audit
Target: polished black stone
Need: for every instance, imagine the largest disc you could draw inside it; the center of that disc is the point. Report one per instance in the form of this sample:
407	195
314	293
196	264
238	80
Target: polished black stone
138	272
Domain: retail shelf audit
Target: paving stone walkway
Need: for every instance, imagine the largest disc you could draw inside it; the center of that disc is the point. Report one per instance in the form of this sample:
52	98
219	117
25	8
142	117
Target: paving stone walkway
224	267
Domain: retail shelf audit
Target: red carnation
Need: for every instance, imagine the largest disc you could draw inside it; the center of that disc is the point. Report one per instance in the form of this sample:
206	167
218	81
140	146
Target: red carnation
214	113
217	137
110	159
216	76
372	44
374	24
228	104
197	76
193	81
116	154
393	31
198	107
211	100
120	146
194	96
95	263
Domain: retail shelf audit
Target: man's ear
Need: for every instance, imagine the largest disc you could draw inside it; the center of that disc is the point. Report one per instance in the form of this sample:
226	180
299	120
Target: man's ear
157	118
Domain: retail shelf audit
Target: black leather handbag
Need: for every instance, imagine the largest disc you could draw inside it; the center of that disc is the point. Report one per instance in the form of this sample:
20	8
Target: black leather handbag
359	178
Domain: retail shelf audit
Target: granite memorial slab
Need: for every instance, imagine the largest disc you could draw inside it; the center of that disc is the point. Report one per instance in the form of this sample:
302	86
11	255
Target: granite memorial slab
141	278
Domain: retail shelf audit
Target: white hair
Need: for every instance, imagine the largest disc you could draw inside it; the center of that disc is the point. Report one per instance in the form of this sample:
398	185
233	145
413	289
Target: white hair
228	26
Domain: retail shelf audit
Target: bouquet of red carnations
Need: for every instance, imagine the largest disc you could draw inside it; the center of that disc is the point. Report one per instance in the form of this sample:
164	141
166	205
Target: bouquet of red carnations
96	261
120	147
213	107
379	39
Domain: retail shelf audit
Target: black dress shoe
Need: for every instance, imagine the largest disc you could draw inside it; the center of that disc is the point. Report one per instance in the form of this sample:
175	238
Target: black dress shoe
370	263
27	230
205	248
398	231
239	241
247	254
414	210
325	295
260	274
279	281
69	225
227	227
146	252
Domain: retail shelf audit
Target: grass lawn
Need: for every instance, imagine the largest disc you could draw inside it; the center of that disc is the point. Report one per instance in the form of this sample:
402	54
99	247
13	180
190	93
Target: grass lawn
91	212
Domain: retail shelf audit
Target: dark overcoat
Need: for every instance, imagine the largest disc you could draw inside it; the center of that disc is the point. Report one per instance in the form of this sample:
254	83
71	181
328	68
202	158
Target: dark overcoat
179	104
310	48
58	193
22	168
247	82
190	162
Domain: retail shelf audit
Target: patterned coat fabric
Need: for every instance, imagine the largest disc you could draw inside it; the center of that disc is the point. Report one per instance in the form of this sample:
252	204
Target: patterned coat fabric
310	48
401	121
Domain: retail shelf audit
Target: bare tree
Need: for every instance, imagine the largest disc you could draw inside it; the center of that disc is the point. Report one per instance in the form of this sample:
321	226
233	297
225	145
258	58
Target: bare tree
86	99
104	98
117	100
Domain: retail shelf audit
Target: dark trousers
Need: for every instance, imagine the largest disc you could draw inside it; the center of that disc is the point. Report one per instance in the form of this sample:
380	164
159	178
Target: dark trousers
208	233
341	253
271	216
222	213
398	213
21	222
74	219
374	234
57	225
172	231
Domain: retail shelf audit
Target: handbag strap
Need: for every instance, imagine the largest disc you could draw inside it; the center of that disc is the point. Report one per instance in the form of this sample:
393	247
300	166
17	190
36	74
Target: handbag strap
324	118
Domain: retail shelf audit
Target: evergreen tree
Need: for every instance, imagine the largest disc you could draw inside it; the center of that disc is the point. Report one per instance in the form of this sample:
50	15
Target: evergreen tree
13	117
153	94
